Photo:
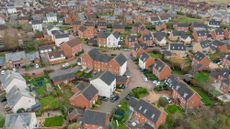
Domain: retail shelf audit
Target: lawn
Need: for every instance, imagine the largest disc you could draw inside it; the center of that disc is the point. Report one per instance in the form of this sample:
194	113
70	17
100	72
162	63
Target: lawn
139	92
49	103
173	109
156	55
187	20
204	97
202	78
54	121
2	121
149	75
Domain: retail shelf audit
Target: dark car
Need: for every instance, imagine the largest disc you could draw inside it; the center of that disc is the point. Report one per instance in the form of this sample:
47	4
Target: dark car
103	98
114	98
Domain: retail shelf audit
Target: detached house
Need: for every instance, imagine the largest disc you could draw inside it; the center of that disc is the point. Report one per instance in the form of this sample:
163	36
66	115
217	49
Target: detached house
130	41
21	121
145	113
200	61
94	120
177	49
218	34
85	96
105	83
86	32
146	39
138	50
113	40
37	25
200	35
182	94
137	27
72	47
56	57
101	26
160	38
61	38
161	70
145	61
102	62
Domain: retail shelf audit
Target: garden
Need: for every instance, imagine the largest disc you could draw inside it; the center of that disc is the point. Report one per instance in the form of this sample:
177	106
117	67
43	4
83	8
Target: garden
54	121
139	92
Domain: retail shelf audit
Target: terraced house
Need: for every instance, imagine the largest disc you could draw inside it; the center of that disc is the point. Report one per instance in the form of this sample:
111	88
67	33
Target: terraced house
97	61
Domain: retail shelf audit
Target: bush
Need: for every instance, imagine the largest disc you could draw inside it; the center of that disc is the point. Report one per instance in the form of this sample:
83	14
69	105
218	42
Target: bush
163	102
139	92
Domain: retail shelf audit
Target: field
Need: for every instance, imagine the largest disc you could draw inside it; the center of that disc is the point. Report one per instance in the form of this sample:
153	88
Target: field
213	1
184	19
54	121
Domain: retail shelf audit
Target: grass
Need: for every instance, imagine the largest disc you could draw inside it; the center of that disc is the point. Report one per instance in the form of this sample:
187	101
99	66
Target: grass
149	75
204	98
54	121
202	78
49	103
184	19
214	56
156	55
139	92
173	109
2	121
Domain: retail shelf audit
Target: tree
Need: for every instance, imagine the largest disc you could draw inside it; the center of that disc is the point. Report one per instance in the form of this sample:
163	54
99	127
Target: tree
163	102
74	126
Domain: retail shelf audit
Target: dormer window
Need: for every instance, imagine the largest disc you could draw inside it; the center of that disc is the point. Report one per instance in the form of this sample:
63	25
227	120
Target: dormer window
145	111
140	108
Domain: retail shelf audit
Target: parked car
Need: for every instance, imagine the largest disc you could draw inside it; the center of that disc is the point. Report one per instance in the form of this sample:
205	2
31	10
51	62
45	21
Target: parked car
114	98
156	83
103	98
121	87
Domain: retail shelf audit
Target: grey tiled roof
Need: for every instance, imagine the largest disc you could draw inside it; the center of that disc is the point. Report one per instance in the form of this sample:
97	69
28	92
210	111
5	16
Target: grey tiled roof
94	118
159	35
121	59
15	56
144	57
177	46
158	65
9	76
205	44
107	77
199	56
90	92
97	56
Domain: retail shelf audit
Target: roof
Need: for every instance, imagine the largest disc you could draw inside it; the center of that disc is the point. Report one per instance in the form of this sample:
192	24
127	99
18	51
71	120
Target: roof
103	35
224	73
95	55
56	54
147	37
132	38
116	34
177	46
45	47
32	56
205	43
199	56
94	118
19	120
121	59
202	33
90	92
74	42
158	65
106	77
146	109
160	35
15	56
182	88
59	36
121	78
144	57
62	74
118	26
10	76
34	22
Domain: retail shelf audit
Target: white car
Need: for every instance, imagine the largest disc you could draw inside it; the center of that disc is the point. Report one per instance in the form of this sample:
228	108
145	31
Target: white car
36	66
2	72
157	83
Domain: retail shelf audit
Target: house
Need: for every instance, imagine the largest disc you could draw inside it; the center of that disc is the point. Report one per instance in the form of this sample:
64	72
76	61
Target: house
200	35
113	40
63	76
182	94
225	86
71	47
214	24
94	120
130	41
227	33
218	34
101	25
175	35
60	38
102	62
217	45
56	57
145	113
11	9
165	18
160	26
225	61
21	121
51	17
203	46
198	27
161	70
160	38
19	59
76	25
181	27
11	79
185	38
177	49
138	50
118	28
200	61
50	29
45	49
154	20
145	61
137	27
102	39
85	97
86	32
146	39
105	83
37	25
19	99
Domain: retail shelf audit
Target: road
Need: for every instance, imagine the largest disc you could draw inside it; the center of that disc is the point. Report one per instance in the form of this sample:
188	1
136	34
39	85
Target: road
137	80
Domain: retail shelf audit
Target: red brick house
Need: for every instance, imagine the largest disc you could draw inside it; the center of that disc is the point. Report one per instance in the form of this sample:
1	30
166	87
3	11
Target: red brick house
181	27
182	94
86	32
161	70
145	113
225	86
94	120
200	35
130	41
72	47
56	57
200	61
85	96
146	39
227	33
220	46
101	25
226	60
217	34
102	39
145	61
137	27
160	26
76	25
138	50
102	62
118	28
